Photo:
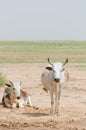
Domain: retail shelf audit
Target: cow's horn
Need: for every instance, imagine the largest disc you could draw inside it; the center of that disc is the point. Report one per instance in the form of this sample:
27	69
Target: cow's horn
66	61
49	61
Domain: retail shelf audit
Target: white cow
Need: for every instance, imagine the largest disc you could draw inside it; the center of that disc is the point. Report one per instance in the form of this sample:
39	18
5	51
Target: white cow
54	78
14	96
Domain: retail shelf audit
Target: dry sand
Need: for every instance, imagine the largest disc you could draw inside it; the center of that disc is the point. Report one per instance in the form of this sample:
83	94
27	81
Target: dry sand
72	105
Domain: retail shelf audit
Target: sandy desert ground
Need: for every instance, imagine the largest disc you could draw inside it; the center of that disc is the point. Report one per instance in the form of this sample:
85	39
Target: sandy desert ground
72	107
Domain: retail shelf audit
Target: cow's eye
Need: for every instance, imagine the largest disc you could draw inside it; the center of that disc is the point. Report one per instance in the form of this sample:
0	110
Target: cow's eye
53	70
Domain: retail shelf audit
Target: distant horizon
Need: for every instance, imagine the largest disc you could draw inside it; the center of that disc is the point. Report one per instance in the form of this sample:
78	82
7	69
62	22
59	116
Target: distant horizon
40	40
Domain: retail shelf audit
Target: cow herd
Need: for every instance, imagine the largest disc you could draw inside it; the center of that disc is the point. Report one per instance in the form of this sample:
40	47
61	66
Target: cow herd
54	78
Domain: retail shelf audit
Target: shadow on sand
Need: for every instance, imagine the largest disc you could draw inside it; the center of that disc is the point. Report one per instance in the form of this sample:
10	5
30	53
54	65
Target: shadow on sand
36	114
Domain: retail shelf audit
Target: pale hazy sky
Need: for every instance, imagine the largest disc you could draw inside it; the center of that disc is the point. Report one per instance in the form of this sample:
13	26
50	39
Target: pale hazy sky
42	19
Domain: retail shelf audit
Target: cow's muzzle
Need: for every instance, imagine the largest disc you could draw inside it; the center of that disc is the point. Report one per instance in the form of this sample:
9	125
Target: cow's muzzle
57	80
18	97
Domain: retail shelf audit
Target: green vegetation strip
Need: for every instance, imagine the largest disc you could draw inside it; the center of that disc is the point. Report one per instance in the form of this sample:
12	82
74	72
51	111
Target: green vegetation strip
77	49
39	60
74	47
3	80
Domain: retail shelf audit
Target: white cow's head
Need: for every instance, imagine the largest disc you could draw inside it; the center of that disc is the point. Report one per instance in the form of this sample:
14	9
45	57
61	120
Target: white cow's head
57	68
15	88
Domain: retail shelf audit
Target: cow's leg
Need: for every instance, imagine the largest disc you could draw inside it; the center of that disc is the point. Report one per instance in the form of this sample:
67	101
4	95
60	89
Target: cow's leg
13	105
29	101
56	106
58	102
21	105
52	103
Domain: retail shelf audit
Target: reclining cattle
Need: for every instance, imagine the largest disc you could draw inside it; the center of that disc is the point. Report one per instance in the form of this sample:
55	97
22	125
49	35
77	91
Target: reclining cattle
54	78
14	96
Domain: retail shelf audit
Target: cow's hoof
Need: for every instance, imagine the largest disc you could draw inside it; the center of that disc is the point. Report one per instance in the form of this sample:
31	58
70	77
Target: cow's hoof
51	113
57	114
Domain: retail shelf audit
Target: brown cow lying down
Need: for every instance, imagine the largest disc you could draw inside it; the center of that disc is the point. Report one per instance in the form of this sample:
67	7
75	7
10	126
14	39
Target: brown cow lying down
14	96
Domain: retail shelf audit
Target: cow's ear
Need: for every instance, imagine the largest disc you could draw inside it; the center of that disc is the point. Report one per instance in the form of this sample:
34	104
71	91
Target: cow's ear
8	85
23	93
49	68
63	69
